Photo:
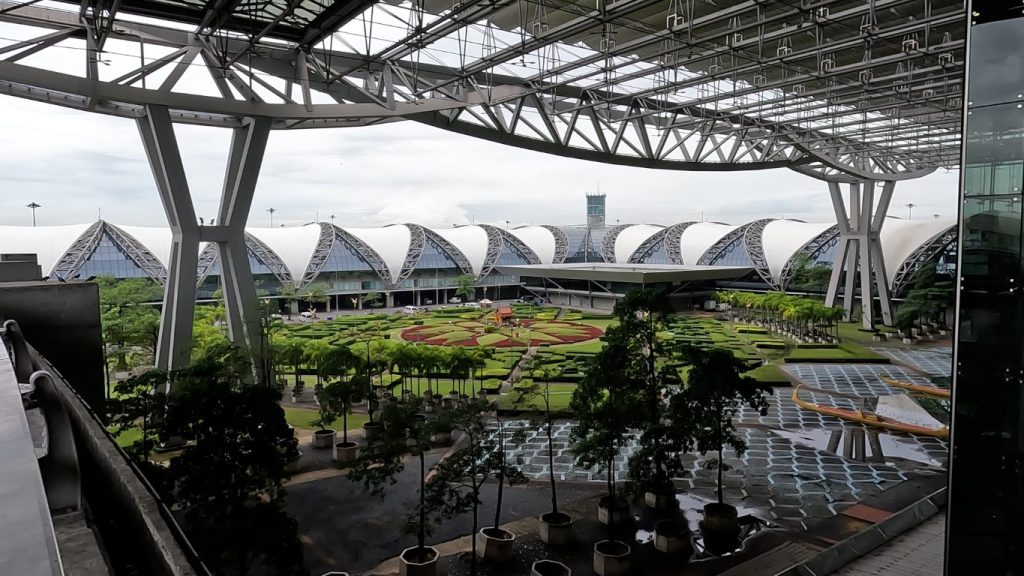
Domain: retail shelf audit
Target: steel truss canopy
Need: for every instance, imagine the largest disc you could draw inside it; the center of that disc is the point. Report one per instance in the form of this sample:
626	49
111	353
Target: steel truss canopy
837	89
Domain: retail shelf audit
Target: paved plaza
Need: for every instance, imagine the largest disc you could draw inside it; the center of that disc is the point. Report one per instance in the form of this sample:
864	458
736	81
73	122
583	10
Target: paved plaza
935	362
789	474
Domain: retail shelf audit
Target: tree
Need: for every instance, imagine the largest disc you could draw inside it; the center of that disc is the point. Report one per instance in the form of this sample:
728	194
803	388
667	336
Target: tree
403	430
716	389
128	318
315	294
372	299
229	479
528	397
292	352
316	353
336	399
460	478
465	287
289	293
139	404
927	300
601	428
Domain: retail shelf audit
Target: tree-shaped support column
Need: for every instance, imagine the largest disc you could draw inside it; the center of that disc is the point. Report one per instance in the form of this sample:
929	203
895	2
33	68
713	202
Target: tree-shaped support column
859	244
248	145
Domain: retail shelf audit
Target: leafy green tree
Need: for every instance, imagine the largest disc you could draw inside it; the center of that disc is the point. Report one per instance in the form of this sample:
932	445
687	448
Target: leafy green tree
602	420
128	317
138	405
459	478
716	390
465	287
527	397
289	293
315	294
228	480
928	298
372	299
341	392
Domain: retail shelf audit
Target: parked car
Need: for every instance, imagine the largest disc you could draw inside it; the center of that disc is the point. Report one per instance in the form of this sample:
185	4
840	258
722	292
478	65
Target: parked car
473	305
276	317
455	300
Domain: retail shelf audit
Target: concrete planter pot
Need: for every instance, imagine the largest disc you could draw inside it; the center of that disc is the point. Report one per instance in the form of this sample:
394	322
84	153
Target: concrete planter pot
494	544
441	438
428	396
621	511
611	558
908	340
448	402
463	399
371	430
429	407
672	537
549	568
720	528
417	421
407	395
323	438
556	529
481	395
417	561
345	452
661	499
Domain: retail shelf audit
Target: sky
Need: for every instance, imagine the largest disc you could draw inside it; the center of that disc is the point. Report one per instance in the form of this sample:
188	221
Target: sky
79	165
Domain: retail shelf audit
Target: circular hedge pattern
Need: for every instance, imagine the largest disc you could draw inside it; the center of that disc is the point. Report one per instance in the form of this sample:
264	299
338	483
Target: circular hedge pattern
475	333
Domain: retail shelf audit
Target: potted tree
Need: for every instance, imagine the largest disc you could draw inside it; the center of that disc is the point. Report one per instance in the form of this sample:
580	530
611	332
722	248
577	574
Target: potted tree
600	434
555	527
323	436
460	478
716	391
382	462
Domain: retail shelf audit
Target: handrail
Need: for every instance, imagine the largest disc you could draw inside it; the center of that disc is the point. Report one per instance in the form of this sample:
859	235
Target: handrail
28	545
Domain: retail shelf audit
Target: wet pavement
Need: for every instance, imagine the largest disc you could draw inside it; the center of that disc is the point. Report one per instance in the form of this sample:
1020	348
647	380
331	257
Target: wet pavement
936	362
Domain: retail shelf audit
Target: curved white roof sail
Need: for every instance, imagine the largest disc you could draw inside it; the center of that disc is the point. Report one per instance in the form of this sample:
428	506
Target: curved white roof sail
471	240
294	245
539	239
629	239
781	239
391	242
696	239
48	243
901	237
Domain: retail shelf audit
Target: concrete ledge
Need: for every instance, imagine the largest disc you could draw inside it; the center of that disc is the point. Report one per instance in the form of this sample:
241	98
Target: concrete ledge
124	494
848	550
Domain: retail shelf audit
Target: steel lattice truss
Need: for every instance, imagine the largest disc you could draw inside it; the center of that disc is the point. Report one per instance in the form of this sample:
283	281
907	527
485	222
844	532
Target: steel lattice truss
209	257
71	261
497	239
753	239
811	249
672	241
838	89
329	235
927	251
419	236
561	243
648	247
608	241
726	244
138	253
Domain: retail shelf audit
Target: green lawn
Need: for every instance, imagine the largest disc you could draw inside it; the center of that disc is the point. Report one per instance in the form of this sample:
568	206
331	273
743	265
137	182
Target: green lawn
302	418
561	394
847	351
769	373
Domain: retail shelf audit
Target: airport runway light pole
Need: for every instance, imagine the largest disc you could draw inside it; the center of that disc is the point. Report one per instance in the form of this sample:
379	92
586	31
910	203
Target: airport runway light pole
33	206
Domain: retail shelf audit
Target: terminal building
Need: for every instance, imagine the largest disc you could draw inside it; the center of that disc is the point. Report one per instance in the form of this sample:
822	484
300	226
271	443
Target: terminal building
411	264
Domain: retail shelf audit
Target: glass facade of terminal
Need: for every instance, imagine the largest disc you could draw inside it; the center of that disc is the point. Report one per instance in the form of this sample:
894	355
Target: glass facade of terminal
985	533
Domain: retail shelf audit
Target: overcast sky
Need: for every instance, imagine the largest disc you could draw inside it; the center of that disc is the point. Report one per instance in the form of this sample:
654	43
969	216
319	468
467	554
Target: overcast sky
74	163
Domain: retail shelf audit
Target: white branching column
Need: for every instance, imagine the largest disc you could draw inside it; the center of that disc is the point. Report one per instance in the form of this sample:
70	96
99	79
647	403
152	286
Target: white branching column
860	248
248	145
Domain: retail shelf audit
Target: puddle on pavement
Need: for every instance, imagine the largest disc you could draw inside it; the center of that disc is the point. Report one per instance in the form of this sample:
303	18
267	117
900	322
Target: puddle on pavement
693	507
892	446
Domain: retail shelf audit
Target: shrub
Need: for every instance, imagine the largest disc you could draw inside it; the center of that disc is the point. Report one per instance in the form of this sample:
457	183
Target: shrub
491	385
770	345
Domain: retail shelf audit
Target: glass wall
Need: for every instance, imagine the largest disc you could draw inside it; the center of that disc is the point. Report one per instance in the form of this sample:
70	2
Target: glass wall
985	532
109	260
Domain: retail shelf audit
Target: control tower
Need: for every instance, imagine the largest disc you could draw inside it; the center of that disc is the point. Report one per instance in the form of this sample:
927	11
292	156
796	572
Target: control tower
595	210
